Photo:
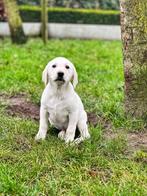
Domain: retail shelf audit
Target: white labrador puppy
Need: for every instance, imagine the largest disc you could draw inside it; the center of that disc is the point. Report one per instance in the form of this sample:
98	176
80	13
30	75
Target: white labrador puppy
60	104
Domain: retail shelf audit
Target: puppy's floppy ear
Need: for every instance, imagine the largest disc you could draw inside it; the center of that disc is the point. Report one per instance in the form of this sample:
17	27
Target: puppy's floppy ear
75	77
45	75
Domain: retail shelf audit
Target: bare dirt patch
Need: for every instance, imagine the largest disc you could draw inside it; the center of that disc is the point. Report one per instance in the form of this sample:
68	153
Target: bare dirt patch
19	105
95	120
137	141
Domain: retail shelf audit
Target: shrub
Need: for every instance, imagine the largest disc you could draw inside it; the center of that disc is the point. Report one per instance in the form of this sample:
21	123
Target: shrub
68	15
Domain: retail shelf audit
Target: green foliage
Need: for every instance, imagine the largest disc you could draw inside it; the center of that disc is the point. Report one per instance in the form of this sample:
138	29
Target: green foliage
68	15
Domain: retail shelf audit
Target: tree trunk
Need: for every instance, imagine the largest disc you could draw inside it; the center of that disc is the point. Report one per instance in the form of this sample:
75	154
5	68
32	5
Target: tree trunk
44	4
134	37
15	23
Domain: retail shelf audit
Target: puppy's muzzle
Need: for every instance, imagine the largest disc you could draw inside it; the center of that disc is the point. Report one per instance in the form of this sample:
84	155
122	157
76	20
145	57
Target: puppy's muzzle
60	76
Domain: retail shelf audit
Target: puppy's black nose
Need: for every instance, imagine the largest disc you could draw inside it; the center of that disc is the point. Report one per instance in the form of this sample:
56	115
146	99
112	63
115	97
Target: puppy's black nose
60	74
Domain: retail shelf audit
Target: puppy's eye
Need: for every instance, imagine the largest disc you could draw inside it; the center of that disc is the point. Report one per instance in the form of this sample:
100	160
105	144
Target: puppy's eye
53	66
67	67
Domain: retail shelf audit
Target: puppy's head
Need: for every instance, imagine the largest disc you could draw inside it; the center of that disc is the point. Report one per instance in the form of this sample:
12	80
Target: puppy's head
60	71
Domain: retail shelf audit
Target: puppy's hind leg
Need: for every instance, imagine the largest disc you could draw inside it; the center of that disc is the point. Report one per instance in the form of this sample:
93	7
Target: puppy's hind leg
84	133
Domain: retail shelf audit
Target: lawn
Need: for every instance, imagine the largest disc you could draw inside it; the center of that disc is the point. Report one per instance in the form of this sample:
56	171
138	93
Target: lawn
108	163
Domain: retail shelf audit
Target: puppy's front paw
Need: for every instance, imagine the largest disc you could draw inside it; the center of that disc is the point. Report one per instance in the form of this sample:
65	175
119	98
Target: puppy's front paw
85	134
69	138
40	136
61	135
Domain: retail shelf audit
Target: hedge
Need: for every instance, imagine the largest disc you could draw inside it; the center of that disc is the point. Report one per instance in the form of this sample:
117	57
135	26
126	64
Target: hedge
68	15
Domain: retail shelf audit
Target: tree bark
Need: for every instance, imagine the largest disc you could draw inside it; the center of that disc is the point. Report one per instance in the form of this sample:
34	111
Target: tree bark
15	23
44	4
134	38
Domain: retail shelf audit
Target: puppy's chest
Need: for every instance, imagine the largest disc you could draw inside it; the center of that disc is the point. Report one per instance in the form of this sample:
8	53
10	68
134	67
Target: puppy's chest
57	107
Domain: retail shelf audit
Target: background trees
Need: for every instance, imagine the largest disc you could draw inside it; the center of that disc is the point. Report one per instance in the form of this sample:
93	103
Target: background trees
134	37
44	19
14	20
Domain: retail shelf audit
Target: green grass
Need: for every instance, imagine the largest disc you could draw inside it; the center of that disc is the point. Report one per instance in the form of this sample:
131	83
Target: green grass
99	166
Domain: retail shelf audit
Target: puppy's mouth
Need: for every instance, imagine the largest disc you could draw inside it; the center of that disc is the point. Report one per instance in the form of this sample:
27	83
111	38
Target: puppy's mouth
59	79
